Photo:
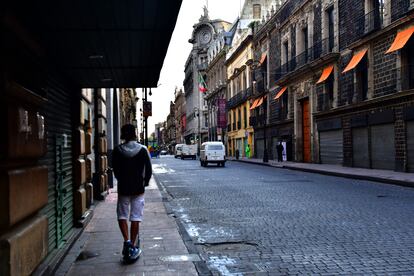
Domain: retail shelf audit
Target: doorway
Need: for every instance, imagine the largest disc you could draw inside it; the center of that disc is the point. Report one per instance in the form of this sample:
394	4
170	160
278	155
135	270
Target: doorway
306	131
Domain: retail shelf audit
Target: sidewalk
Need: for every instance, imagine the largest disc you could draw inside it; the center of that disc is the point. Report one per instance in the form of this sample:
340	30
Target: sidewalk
385	176
97	251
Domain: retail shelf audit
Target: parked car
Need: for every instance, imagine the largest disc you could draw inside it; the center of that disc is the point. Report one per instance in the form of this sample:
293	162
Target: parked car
178	149
164	152
212	152
189	151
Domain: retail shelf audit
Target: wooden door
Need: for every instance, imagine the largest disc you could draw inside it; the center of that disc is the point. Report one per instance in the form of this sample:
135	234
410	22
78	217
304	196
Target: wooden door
306	131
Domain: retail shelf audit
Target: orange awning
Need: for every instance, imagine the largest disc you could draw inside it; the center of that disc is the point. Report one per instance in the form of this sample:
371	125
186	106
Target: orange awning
254	104
325	74
400	40
262	59
260	102
355	60
278	95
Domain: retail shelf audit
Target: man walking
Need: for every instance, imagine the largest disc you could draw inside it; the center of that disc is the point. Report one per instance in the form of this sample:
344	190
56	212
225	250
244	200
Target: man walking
279	149
132	168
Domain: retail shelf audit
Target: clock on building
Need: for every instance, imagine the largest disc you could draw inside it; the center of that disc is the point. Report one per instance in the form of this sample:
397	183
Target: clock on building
204	36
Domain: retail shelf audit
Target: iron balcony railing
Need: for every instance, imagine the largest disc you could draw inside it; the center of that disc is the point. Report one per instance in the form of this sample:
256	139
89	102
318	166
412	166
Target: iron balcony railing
239	98
368	22
317	50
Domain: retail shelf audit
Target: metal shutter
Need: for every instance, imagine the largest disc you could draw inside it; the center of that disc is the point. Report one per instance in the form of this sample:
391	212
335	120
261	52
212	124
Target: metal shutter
410	146
382	147
360	147
58	122
259	148
330	144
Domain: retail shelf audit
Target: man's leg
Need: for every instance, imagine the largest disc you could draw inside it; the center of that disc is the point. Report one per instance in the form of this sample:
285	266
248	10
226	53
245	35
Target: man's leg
137	212
134	231
123	225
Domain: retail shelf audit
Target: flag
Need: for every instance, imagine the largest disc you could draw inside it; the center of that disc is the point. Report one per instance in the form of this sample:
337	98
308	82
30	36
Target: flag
202	86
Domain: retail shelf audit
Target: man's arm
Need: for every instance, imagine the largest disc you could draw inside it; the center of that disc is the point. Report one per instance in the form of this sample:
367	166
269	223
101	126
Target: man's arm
115	162
147	168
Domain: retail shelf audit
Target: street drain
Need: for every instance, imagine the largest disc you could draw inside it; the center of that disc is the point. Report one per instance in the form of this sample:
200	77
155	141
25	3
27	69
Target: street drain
181	258
381	196
84	255
224	247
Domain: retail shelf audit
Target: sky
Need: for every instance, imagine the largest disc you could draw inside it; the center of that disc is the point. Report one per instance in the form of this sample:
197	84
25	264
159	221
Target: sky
172	73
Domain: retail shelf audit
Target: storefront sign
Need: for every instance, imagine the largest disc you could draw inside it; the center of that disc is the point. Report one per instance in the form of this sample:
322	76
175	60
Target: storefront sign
221	113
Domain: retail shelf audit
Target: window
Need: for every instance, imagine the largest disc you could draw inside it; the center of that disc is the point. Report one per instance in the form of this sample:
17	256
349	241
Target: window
284	105
329	90
407	70
245	116
239	119
362	79
257	11
285	56
331	30
215	147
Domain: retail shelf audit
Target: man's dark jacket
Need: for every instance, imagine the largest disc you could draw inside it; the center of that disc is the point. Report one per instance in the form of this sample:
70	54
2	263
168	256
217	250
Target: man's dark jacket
132	168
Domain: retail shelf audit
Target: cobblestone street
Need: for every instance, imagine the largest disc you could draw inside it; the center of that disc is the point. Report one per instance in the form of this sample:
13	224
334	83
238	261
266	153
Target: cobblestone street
246	218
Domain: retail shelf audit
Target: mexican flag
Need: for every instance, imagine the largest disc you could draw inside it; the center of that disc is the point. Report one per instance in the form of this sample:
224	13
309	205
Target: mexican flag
202	86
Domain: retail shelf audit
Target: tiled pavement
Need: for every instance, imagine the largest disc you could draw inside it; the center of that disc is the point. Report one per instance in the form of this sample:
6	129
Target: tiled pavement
102	242
386	176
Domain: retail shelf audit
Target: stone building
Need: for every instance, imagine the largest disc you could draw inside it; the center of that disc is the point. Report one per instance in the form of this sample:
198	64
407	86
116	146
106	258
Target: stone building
215	97
128	106
180	116
240	63
171	128
195	75
340	82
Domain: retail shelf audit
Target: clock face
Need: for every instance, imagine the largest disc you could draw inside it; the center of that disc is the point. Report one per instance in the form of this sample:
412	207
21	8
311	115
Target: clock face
204	36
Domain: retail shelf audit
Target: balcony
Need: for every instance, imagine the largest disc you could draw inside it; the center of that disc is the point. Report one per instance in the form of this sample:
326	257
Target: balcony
202	66
316	51
368	22
239	98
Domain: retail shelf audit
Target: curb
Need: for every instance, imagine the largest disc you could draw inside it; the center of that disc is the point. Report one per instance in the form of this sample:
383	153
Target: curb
338	174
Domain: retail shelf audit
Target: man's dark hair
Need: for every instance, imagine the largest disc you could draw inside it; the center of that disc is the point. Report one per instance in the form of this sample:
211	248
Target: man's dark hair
128	132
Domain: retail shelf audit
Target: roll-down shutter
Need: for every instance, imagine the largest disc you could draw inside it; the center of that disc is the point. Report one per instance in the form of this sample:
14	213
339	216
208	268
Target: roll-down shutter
259	148
59	161
330	144
360	147
410	146
383	147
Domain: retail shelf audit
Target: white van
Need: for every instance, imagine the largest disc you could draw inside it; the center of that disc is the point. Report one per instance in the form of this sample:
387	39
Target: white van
178	150
189	151
212	152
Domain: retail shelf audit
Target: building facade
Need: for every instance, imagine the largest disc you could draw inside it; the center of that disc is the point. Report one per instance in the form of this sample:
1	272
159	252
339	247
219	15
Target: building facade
240	62
180	116
340	82
195	77
216	94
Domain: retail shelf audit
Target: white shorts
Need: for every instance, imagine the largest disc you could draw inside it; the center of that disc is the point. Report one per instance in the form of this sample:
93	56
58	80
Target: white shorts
136	203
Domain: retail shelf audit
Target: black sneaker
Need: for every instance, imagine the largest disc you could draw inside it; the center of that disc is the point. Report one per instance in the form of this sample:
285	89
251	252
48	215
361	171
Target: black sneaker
126	249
